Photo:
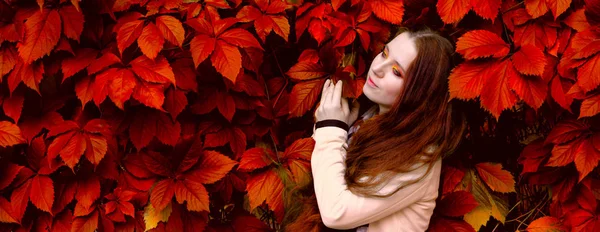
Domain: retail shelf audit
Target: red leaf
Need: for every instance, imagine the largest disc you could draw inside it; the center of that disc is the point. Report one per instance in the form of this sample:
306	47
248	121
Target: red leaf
457	204
185	74
175	102
451	177
72	20
6	212
577	20
446	225
566	131
481	43
8	172
194	193
496	95
531	89
306	71
149	124
487	9
13	105
10	134
495	177
64	193
240	37
587	77
42	193
533	155
226	105
156	163
558	91
151	95
304	96
201	47
151	41
88	190
121	86
83	58
171	29
227	60
19	199
96	148
213	167
157	71
529	60
42	32
452	11
103	62
388	10
72	151
300	149
162	193
467	80
8	59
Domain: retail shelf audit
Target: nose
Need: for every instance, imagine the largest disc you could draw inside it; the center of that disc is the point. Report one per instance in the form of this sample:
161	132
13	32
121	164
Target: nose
380	67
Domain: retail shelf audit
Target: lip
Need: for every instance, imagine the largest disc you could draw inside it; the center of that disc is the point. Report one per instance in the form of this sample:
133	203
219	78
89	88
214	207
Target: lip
371	83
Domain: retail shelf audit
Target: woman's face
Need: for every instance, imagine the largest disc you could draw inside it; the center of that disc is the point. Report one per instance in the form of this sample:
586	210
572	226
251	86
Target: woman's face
387	73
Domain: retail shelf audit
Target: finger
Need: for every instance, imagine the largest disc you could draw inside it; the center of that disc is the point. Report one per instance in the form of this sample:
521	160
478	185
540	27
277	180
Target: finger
345	107
337	92
329	93
324	91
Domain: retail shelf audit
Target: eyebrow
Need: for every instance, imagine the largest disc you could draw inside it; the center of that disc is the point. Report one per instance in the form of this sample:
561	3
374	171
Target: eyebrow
399	65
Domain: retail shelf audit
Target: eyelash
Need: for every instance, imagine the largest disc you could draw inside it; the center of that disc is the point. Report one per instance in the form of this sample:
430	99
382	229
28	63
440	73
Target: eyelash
394	69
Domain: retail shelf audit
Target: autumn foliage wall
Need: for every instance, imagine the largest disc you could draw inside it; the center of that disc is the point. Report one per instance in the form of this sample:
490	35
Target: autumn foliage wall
182	115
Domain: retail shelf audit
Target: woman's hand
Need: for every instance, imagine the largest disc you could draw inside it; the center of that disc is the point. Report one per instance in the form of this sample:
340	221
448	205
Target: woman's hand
333	106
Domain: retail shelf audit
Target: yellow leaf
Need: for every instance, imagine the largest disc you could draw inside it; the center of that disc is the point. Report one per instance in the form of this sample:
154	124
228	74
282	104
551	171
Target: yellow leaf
478	217
153	217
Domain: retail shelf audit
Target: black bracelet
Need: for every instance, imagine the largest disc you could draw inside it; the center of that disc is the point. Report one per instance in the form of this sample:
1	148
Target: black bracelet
332	122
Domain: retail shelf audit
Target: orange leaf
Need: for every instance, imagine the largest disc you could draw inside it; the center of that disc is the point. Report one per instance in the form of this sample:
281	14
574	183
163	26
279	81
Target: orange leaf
546	223
171	29
300	149
531	89
266	187
388	10
156	71
256	158
304	96
213	167
72	21
101	63
241	38
447	225
536	8
452	11
85	224
201	47
558	90
590	106
6	212
495	177
162	193
481	43
227	60
8	59
466	81
563	154
42	193
306	71
88	191
152	95
587	76
558	6
10	134
151	41
194	193
496	95
577	20
121	86
81	60
586	158
128	33
30	74
42	32
96	148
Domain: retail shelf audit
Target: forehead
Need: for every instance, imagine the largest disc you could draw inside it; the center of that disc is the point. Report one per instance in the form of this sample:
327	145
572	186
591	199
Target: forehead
403	49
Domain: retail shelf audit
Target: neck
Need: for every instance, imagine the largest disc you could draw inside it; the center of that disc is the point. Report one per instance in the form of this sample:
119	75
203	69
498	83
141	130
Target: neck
383	109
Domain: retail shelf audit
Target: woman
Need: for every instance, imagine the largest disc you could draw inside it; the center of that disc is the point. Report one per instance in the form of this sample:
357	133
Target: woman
386	177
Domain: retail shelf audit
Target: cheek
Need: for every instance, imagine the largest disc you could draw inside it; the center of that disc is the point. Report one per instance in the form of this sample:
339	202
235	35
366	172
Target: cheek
393	88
